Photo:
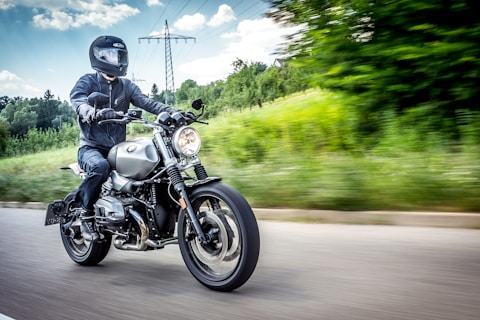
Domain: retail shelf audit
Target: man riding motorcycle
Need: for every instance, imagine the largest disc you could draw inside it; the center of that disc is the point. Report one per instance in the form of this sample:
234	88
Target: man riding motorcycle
109	57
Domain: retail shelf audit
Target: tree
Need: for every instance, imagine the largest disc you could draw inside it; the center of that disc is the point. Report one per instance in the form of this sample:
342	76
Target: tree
65	116
154	89
393	55
269	84
156	96
48	95
186	91
241	87
4	137
46	109
3	102
19	117
23	120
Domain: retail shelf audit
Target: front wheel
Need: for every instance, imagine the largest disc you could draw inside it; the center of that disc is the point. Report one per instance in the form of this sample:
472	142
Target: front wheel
81	251
231	255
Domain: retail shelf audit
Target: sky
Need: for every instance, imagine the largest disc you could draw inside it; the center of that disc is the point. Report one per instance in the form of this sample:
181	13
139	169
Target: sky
45	43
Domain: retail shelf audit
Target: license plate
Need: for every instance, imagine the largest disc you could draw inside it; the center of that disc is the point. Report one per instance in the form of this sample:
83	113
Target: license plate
55	213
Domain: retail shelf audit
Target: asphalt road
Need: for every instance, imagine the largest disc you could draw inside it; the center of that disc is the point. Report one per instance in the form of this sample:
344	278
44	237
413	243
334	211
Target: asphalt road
305	271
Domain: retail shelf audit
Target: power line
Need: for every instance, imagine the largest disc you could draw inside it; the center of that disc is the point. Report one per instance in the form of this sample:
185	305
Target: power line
169	78
160	16
135	80
181	9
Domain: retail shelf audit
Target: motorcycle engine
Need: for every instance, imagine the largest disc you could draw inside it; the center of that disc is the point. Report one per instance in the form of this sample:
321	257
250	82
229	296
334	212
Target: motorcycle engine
110	212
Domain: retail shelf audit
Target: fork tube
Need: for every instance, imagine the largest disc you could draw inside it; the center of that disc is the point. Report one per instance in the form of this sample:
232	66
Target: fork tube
178	184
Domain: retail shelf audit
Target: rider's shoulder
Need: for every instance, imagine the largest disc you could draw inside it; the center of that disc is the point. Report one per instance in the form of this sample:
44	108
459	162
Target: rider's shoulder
88	77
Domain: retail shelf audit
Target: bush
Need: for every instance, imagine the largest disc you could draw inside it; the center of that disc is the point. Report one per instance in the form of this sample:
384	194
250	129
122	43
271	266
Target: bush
37	140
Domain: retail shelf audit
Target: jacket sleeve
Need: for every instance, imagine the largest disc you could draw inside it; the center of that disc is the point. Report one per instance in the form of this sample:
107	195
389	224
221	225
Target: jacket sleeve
140	100
79	96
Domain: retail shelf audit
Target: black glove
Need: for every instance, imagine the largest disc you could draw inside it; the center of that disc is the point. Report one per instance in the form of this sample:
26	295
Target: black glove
189	116
86	113
170	109
106	114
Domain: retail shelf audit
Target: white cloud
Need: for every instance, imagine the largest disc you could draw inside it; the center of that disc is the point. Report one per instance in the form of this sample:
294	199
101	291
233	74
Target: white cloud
206	70
156	34
224	14
257	39
152	3
161	34
104	16
190	22
55	20
13	86
78	13
253	41
196	21
44	4
6	4
6	76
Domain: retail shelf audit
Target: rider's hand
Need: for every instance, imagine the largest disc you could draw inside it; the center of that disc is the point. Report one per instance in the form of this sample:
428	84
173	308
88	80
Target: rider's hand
86	113
170	109
189	116
106	114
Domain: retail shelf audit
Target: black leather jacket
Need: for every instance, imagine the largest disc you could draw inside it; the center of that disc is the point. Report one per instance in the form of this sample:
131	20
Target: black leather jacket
122	93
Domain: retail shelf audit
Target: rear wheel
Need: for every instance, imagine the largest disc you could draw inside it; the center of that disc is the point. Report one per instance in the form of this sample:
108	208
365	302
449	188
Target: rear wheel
231	255
81	251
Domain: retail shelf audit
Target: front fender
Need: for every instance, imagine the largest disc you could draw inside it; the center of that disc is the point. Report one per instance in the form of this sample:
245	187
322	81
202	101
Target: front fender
203	182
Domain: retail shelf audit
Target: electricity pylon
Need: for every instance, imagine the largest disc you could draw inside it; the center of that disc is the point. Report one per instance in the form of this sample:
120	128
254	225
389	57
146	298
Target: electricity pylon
169	79
135	79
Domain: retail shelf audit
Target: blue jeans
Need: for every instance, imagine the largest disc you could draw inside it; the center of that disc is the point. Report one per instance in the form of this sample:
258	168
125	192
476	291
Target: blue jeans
93	161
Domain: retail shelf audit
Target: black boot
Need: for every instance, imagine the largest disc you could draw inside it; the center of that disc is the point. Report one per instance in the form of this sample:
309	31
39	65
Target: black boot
88	228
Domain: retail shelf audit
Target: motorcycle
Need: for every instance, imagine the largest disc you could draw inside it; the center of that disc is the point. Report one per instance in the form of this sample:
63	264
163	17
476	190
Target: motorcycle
159	193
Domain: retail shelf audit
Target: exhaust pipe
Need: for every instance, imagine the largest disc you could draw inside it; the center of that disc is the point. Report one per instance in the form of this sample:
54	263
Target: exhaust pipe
141	244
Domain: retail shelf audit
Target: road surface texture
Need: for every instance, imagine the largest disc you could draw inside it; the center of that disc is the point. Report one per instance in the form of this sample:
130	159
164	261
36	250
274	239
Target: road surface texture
305	271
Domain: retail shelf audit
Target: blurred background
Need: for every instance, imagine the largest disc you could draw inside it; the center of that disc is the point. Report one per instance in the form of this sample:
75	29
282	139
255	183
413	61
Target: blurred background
364	105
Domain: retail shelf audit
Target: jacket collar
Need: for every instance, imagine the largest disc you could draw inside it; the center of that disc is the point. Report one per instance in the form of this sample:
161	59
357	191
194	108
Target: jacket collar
101	79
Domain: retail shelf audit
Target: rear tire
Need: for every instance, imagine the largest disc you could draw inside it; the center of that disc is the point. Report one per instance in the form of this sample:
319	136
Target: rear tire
226	263
83	252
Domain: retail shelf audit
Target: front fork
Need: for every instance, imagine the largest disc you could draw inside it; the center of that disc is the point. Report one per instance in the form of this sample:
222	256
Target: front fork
185	203
178	183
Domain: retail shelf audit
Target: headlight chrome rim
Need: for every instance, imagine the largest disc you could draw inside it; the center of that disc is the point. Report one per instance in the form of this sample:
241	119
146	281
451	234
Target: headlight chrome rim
186	141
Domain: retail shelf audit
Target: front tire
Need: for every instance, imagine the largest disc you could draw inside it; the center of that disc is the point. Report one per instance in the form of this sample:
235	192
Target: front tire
228	261
83	252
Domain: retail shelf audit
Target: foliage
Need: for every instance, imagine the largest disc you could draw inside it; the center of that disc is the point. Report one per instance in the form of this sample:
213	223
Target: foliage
305	152
36	140
31	125
251	84
20	115
306	123
4	138
393	55
302	151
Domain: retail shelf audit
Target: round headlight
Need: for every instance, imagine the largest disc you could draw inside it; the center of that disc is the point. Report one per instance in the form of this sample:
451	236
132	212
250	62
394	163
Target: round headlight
186	141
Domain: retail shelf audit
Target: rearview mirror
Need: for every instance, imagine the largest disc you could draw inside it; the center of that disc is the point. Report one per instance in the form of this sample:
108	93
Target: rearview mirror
98	99
197	104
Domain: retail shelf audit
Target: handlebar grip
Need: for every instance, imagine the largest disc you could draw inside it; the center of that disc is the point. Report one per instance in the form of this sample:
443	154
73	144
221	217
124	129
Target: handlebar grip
118	121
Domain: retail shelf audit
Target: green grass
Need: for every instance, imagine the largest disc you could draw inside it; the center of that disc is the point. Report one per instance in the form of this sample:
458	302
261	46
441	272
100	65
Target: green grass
302	152
37	177
339	181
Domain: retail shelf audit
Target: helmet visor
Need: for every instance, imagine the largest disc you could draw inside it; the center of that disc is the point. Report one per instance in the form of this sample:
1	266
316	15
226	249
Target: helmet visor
113	56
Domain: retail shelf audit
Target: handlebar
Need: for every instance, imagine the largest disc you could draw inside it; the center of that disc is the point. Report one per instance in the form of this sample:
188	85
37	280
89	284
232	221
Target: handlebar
164	121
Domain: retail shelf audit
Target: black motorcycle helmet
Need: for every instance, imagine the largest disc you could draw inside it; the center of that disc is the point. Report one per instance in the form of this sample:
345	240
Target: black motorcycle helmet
109	54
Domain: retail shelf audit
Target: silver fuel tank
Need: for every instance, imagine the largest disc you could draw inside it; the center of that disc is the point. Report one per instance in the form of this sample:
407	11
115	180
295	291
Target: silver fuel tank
134	159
